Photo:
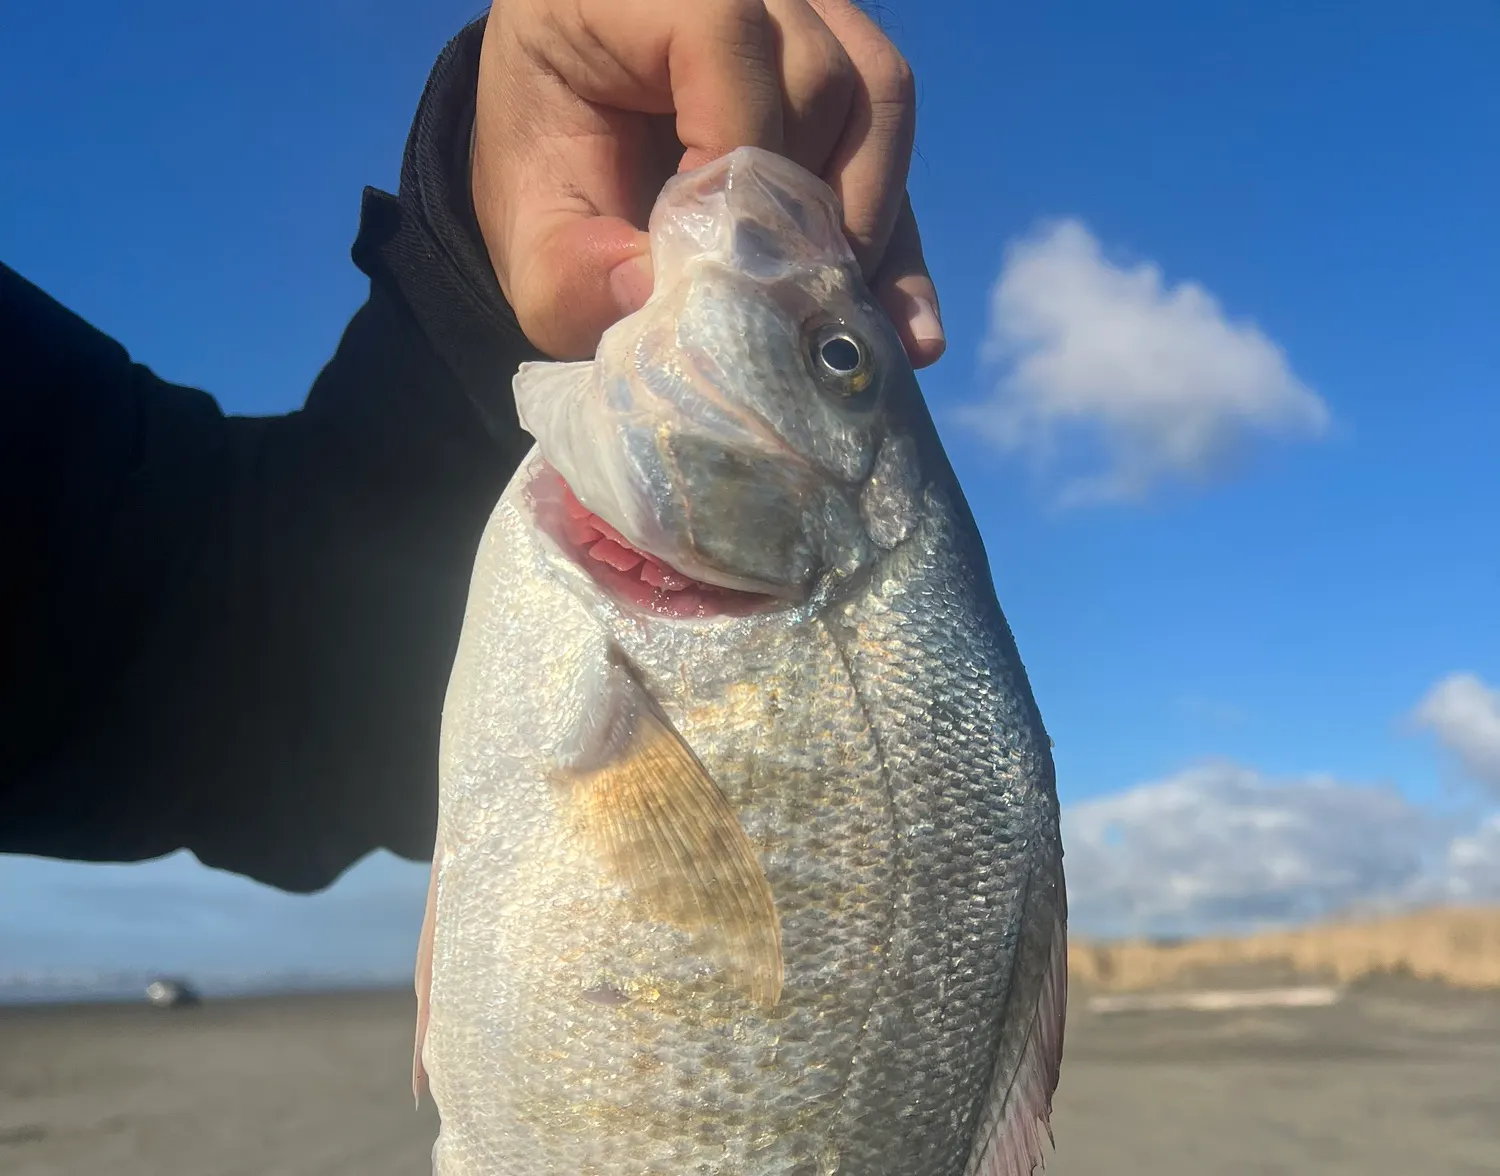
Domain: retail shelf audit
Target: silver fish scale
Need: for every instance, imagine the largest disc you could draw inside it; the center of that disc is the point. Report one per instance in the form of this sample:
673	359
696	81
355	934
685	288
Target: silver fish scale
968	765
867	760
682	1076
780	729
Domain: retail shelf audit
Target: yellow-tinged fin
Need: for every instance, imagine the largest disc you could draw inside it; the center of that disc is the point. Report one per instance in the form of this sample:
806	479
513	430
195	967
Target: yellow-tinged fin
666	831
424	980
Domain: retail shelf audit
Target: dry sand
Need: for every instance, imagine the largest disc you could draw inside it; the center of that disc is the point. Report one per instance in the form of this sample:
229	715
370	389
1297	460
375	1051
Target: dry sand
1399	1078
291	1086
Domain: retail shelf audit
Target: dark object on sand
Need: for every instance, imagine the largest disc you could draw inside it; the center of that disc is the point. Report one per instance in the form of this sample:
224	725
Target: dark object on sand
171	994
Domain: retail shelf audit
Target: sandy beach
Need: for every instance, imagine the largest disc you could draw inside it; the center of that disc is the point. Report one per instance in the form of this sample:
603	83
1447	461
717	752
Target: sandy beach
290	1086
1400	1077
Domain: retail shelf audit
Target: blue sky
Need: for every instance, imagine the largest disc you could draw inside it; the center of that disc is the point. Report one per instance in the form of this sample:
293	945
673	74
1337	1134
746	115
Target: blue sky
1285	540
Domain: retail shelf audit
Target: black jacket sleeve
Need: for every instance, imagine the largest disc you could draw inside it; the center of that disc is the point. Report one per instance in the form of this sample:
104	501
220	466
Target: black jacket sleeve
234	634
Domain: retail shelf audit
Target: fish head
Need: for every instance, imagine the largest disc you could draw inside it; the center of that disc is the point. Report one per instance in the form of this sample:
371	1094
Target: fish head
744	430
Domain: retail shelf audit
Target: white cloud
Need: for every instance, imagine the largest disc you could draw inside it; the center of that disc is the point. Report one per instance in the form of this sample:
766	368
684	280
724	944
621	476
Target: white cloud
1102	365
1464	714
1472	865
1221	847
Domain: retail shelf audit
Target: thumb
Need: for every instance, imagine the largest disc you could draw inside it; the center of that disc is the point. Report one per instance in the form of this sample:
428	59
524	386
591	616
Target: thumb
572	275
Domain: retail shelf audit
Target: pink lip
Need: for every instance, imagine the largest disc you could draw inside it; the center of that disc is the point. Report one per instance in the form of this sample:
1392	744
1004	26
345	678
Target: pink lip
625	571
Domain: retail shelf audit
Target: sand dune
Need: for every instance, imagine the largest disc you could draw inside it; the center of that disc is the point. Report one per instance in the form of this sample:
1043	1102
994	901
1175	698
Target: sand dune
1456	946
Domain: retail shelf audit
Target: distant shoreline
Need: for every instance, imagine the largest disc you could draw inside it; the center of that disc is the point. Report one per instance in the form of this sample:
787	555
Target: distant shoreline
1457	946
66	997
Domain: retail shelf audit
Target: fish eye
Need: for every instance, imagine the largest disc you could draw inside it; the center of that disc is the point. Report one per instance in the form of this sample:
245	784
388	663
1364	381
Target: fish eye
842	360
840	355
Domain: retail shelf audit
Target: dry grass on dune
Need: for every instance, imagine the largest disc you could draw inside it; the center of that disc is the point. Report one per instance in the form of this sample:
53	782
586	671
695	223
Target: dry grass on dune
1457	946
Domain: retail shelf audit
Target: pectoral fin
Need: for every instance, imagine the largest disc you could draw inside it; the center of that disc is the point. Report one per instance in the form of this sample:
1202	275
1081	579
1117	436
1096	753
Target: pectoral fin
665	830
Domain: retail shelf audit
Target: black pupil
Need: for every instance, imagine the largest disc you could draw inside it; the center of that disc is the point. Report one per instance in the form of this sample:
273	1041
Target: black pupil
841	354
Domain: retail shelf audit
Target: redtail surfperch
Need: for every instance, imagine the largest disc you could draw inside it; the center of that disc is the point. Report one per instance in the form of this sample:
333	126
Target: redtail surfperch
748	859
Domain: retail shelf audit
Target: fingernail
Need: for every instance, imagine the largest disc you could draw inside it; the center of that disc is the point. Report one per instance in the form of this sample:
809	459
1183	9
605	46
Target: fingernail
925	325
630	283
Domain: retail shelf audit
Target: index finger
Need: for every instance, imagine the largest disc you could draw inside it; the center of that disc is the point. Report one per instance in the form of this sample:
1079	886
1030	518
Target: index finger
726	85
868	168
711	63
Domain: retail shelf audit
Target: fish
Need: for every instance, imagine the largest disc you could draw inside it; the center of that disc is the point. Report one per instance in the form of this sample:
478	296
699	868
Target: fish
748	859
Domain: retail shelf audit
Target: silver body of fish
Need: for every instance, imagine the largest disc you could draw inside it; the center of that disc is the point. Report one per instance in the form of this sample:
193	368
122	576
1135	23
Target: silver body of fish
748	859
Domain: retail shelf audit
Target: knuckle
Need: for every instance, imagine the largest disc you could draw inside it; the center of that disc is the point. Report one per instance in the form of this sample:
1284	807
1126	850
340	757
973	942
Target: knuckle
835	68
889	76
732	18
740	29
884	72
827	74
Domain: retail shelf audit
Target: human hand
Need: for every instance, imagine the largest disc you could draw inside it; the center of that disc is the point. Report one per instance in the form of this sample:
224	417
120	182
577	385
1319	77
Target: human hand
586	108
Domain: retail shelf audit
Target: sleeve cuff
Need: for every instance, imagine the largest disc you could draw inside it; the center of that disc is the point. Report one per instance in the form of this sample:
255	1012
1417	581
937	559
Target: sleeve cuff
426	247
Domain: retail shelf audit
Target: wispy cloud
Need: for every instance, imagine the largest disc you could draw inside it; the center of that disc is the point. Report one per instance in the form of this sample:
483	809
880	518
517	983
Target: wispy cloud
1463	712
1114	381
1223	847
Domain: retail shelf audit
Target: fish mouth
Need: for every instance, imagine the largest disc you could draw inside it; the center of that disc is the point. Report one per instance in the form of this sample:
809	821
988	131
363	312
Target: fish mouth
628	574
